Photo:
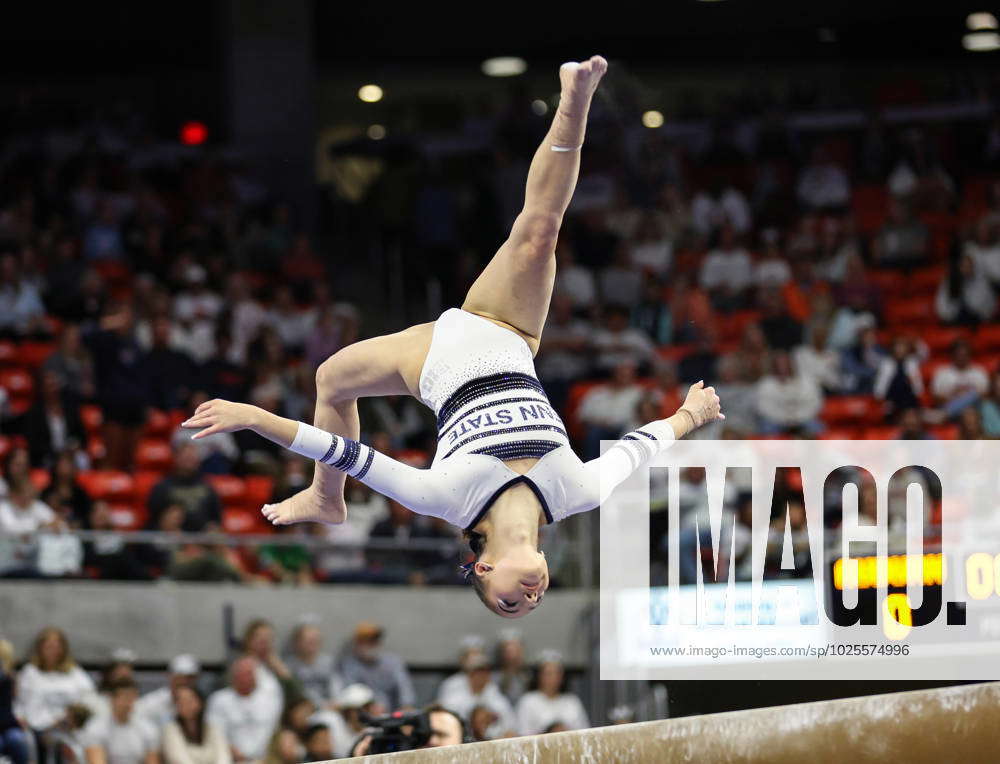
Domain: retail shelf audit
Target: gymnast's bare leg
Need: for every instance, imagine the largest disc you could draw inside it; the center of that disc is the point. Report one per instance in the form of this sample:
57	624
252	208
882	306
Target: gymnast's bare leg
513	291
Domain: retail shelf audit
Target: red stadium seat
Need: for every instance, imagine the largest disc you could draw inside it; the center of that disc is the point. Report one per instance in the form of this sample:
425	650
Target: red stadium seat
158	424
987	338
108	485
8	352
851	409
944	431
96	449
940	338
839	433
870	204
910	310
154	454
92	417
926	280
231	490
17	382
258	491
6	444
40	479
33	354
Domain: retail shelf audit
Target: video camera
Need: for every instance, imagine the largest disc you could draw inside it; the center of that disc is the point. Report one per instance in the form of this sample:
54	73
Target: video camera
399	731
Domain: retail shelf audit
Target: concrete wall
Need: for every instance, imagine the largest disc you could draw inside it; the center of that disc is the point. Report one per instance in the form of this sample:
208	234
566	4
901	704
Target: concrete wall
163	619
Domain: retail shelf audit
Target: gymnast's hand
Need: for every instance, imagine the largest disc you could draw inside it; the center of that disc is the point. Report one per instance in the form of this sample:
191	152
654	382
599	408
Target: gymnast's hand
220	416
702	404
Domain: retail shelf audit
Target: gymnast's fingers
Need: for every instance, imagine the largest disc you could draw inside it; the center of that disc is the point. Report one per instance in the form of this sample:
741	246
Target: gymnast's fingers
207	431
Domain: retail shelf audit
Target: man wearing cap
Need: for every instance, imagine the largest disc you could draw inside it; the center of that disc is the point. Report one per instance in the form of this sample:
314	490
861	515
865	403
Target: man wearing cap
478	689
157	707
365	662
345	723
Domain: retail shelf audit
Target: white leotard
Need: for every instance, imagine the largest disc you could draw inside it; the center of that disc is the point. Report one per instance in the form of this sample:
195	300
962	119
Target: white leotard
479	379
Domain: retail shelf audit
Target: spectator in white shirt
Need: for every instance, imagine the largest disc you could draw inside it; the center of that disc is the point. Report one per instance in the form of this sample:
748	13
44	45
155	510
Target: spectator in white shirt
189	738
22	516
771	268
272	673
651	250
606	410
292	324
248	316
985	249
960	383
727	271
818	361
966	296
51	683
478	689
157	706
244	712
573	280
122	736
548	702
709	211
788	401
617	342
823	184
563	358
196	309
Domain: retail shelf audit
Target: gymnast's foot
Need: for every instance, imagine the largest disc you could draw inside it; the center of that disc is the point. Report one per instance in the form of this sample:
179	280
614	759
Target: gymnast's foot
306	507
579	81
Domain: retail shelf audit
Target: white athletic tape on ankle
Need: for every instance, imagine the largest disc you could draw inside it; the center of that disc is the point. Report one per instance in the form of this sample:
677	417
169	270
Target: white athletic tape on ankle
562	149
312	442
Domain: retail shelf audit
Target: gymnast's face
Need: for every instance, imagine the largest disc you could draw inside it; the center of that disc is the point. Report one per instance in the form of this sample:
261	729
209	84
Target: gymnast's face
514	584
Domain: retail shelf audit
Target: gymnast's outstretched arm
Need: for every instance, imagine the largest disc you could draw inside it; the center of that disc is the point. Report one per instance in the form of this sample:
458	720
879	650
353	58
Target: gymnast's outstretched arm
416	489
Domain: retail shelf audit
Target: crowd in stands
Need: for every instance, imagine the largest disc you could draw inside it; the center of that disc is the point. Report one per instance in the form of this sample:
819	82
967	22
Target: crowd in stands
835	283
305	704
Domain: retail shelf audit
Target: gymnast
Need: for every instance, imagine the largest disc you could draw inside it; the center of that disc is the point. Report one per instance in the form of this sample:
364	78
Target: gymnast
503	465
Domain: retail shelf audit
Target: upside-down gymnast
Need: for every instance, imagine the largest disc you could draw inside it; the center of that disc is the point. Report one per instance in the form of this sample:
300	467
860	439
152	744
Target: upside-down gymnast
503	465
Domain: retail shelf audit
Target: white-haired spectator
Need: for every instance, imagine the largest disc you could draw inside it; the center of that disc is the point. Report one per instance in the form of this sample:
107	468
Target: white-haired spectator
548	702
244	711
311	665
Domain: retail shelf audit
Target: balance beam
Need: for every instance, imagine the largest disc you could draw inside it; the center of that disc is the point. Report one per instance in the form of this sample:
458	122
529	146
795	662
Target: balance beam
950	724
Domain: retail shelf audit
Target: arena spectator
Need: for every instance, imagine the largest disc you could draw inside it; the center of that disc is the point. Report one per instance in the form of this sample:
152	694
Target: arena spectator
727	272
823	184
511	674
547	702
713	209
903	241
392	566
72	364
651	314
14	743
102	241
51	686
607	409
816	360
984	249
110	555
787	401
562	358
190	738
741	397
780	329
273	675
478	689
196	309
160	707
186	488
482	720
318	741
122	384
121	736
311	666
248	316
989	408
970	425
960	382
171	372
244	712
860	363
966	297
53	423
364	661
911	425
22	516
218	454
284	748
770	268
292	324
447	728
616	342
21	310
700	363
620	283
573	280
650	250
346	721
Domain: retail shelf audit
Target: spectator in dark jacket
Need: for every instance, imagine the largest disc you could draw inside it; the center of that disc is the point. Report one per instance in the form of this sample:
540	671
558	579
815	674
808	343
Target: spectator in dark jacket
171	372
185	487
122	383
65	491
53	423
